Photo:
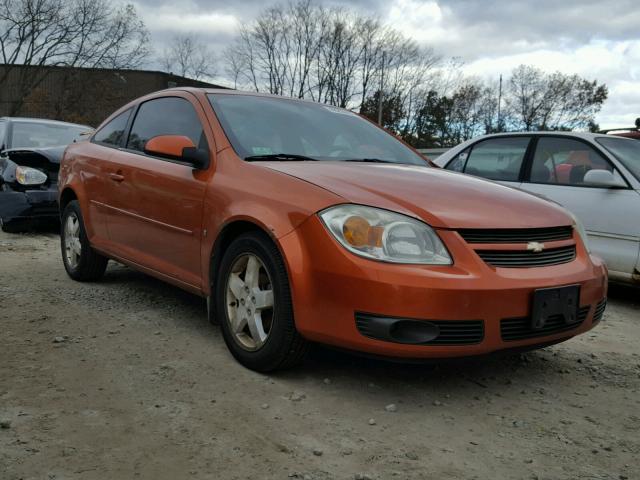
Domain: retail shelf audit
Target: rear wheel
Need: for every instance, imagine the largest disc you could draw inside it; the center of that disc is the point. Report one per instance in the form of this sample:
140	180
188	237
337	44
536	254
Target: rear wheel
253	303
81	262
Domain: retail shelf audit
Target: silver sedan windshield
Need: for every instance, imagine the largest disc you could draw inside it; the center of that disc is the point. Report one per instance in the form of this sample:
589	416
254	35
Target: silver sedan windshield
626	150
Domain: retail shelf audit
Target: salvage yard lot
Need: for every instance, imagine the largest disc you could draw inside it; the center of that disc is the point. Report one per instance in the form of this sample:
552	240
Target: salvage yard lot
126	379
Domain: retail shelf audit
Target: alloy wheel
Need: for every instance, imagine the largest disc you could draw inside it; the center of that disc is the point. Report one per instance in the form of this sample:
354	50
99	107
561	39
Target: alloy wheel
73	247
250	303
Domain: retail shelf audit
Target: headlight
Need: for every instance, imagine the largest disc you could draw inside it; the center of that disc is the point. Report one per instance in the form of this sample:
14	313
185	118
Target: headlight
579	227
382	235
30	176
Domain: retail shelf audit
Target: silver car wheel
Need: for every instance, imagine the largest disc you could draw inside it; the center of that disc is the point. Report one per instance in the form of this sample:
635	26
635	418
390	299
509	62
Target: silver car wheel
72	245
250	303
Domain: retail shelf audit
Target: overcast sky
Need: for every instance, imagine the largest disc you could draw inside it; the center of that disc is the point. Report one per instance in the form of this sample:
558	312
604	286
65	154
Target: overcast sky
597	39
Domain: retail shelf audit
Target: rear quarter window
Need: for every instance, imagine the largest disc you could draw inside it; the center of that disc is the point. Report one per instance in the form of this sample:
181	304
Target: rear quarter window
113	132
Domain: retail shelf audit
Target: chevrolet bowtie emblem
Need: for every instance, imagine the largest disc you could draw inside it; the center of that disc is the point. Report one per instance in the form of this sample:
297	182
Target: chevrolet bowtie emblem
535	247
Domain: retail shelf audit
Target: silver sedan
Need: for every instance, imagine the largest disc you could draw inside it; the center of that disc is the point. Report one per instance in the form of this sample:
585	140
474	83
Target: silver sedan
595	176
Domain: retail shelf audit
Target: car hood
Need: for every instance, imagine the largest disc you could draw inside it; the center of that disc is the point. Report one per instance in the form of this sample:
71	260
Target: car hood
35	156
441	198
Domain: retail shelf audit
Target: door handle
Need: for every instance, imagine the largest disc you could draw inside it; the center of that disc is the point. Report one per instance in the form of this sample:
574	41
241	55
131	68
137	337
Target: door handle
116	177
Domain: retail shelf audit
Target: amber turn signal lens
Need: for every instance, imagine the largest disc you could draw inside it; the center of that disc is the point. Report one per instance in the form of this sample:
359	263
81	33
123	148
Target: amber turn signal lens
359	233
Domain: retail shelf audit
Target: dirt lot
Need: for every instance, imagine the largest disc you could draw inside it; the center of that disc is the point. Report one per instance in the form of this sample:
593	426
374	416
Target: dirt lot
126	379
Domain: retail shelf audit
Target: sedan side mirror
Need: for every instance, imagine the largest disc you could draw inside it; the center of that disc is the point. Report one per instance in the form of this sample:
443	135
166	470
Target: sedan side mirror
603	178
177	147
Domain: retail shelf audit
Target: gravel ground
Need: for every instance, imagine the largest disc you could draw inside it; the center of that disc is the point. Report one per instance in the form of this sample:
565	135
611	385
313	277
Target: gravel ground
126	379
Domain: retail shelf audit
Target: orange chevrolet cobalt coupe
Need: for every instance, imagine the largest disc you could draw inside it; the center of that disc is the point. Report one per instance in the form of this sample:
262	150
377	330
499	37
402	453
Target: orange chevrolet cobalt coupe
301	222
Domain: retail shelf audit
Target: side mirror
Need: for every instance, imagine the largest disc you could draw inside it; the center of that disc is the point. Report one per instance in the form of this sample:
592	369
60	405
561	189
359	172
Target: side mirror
198	157
602	178
177	147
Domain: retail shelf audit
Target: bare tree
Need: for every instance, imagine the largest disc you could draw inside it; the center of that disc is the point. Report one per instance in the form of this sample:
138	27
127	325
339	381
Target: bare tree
188	57
340	57
372	35
467	115
80	33
277	52
537	100
330	55
336	56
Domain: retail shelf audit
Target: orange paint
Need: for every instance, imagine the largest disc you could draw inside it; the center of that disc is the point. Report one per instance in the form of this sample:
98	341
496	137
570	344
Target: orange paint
156	217
168	145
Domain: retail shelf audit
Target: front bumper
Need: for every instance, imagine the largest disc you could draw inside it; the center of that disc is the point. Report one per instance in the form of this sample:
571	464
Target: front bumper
330	286
28	206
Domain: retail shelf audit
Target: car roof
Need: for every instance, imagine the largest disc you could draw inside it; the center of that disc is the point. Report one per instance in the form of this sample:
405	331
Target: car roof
555	133
43	121
590	137
228	91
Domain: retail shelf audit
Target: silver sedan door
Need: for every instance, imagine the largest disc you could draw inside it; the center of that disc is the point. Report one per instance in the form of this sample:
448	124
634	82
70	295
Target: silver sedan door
609	215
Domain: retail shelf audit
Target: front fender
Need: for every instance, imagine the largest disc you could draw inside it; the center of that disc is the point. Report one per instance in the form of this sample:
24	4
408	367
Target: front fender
241	191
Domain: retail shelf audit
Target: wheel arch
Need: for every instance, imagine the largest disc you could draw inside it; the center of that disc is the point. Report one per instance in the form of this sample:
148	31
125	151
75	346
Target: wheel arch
227	234
67	195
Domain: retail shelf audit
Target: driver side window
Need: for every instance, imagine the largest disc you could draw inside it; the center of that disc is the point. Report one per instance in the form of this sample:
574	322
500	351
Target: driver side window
166	116
565	161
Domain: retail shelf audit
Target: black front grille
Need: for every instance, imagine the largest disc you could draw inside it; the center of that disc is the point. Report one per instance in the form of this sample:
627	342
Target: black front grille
600	307
450	332
458	332
526	258
520	328
516	235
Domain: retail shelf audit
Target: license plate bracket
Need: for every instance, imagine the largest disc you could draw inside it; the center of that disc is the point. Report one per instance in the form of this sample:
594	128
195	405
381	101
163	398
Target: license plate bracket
548	302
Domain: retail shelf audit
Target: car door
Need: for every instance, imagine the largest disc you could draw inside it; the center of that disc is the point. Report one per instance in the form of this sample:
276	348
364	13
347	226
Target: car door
95	160
155	217
498	158
556	171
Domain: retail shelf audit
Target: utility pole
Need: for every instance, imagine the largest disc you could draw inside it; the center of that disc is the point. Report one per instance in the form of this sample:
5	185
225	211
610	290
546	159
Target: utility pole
499	100
380	91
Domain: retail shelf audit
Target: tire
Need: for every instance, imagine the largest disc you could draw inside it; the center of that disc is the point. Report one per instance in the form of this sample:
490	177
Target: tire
86	264
283	347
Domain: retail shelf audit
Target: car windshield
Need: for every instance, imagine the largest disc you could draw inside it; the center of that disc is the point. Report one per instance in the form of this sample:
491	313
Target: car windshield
626	150
39	135
266	128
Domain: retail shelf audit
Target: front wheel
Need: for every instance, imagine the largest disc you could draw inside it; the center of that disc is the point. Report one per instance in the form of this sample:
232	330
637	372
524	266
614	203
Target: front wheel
253	301
81	262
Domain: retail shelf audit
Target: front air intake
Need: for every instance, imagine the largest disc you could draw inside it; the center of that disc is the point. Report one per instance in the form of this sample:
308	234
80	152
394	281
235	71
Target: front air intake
420	332
520	328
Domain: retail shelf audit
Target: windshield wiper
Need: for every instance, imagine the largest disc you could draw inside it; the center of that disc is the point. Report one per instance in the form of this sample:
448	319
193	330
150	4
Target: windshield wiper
369	160
280	157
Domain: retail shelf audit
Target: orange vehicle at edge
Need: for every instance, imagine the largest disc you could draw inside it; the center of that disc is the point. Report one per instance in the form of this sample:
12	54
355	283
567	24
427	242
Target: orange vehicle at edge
175	222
